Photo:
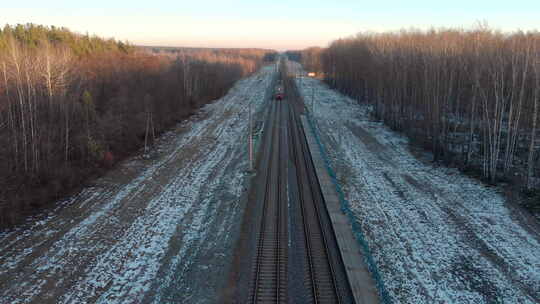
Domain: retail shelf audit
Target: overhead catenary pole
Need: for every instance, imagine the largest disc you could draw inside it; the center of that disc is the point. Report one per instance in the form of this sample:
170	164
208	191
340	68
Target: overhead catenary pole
313	101
250	139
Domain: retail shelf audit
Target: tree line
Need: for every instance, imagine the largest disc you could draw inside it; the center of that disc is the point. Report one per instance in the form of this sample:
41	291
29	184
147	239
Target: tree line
470	96
71	105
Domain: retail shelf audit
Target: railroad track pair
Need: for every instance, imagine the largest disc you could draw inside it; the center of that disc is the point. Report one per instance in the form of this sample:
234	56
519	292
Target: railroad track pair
322	273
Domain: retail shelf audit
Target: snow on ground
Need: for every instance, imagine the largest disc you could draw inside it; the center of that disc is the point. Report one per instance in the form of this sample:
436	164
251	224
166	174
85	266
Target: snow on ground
436	235
154	231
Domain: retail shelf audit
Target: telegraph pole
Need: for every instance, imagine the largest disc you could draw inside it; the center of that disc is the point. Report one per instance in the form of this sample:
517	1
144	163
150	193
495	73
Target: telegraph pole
250	138
313	101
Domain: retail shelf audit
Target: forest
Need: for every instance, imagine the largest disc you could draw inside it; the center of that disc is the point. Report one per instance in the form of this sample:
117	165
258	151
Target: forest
471	97
72	105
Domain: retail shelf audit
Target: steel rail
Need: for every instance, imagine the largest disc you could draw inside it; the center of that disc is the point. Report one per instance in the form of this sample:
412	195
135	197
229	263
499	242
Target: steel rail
261	281
312	223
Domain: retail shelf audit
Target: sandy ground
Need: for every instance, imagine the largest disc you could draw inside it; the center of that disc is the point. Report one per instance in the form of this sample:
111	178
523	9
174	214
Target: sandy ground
436	235
158	230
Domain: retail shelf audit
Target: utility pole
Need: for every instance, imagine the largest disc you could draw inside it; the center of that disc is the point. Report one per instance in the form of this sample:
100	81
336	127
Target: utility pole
250	138
313	101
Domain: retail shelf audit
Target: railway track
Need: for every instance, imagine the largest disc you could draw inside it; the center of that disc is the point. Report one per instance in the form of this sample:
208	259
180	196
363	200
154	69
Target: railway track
270	271
317	262
321	257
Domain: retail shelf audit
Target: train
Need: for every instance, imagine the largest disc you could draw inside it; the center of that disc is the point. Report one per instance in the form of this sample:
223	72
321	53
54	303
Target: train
279	94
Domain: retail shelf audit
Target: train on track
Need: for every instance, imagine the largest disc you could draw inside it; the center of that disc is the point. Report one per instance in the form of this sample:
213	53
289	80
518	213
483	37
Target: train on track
279	93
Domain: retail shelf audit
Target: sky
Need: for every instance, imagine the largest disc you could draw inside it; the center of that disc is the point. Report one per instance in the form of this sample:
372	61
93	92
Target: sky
277	24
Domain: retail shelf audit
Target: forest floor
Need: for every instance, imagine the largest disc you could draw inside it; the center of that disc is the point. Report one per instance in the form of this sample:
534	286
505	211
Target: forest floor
436	235
153	230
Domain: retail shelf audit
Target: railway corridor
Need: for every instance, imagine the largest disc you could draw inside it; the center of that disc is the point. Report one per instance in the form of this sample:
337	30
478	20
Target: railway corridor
296	258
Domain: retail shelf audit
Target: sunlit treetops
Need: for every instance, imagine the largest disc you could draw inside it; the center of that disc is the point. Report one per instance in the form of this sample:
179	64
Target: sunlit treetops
33	36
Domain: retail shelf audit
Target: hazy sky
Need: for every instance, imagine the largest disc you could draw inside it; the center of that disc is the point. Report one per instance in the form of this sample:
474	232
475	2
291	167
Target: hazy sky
274	24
